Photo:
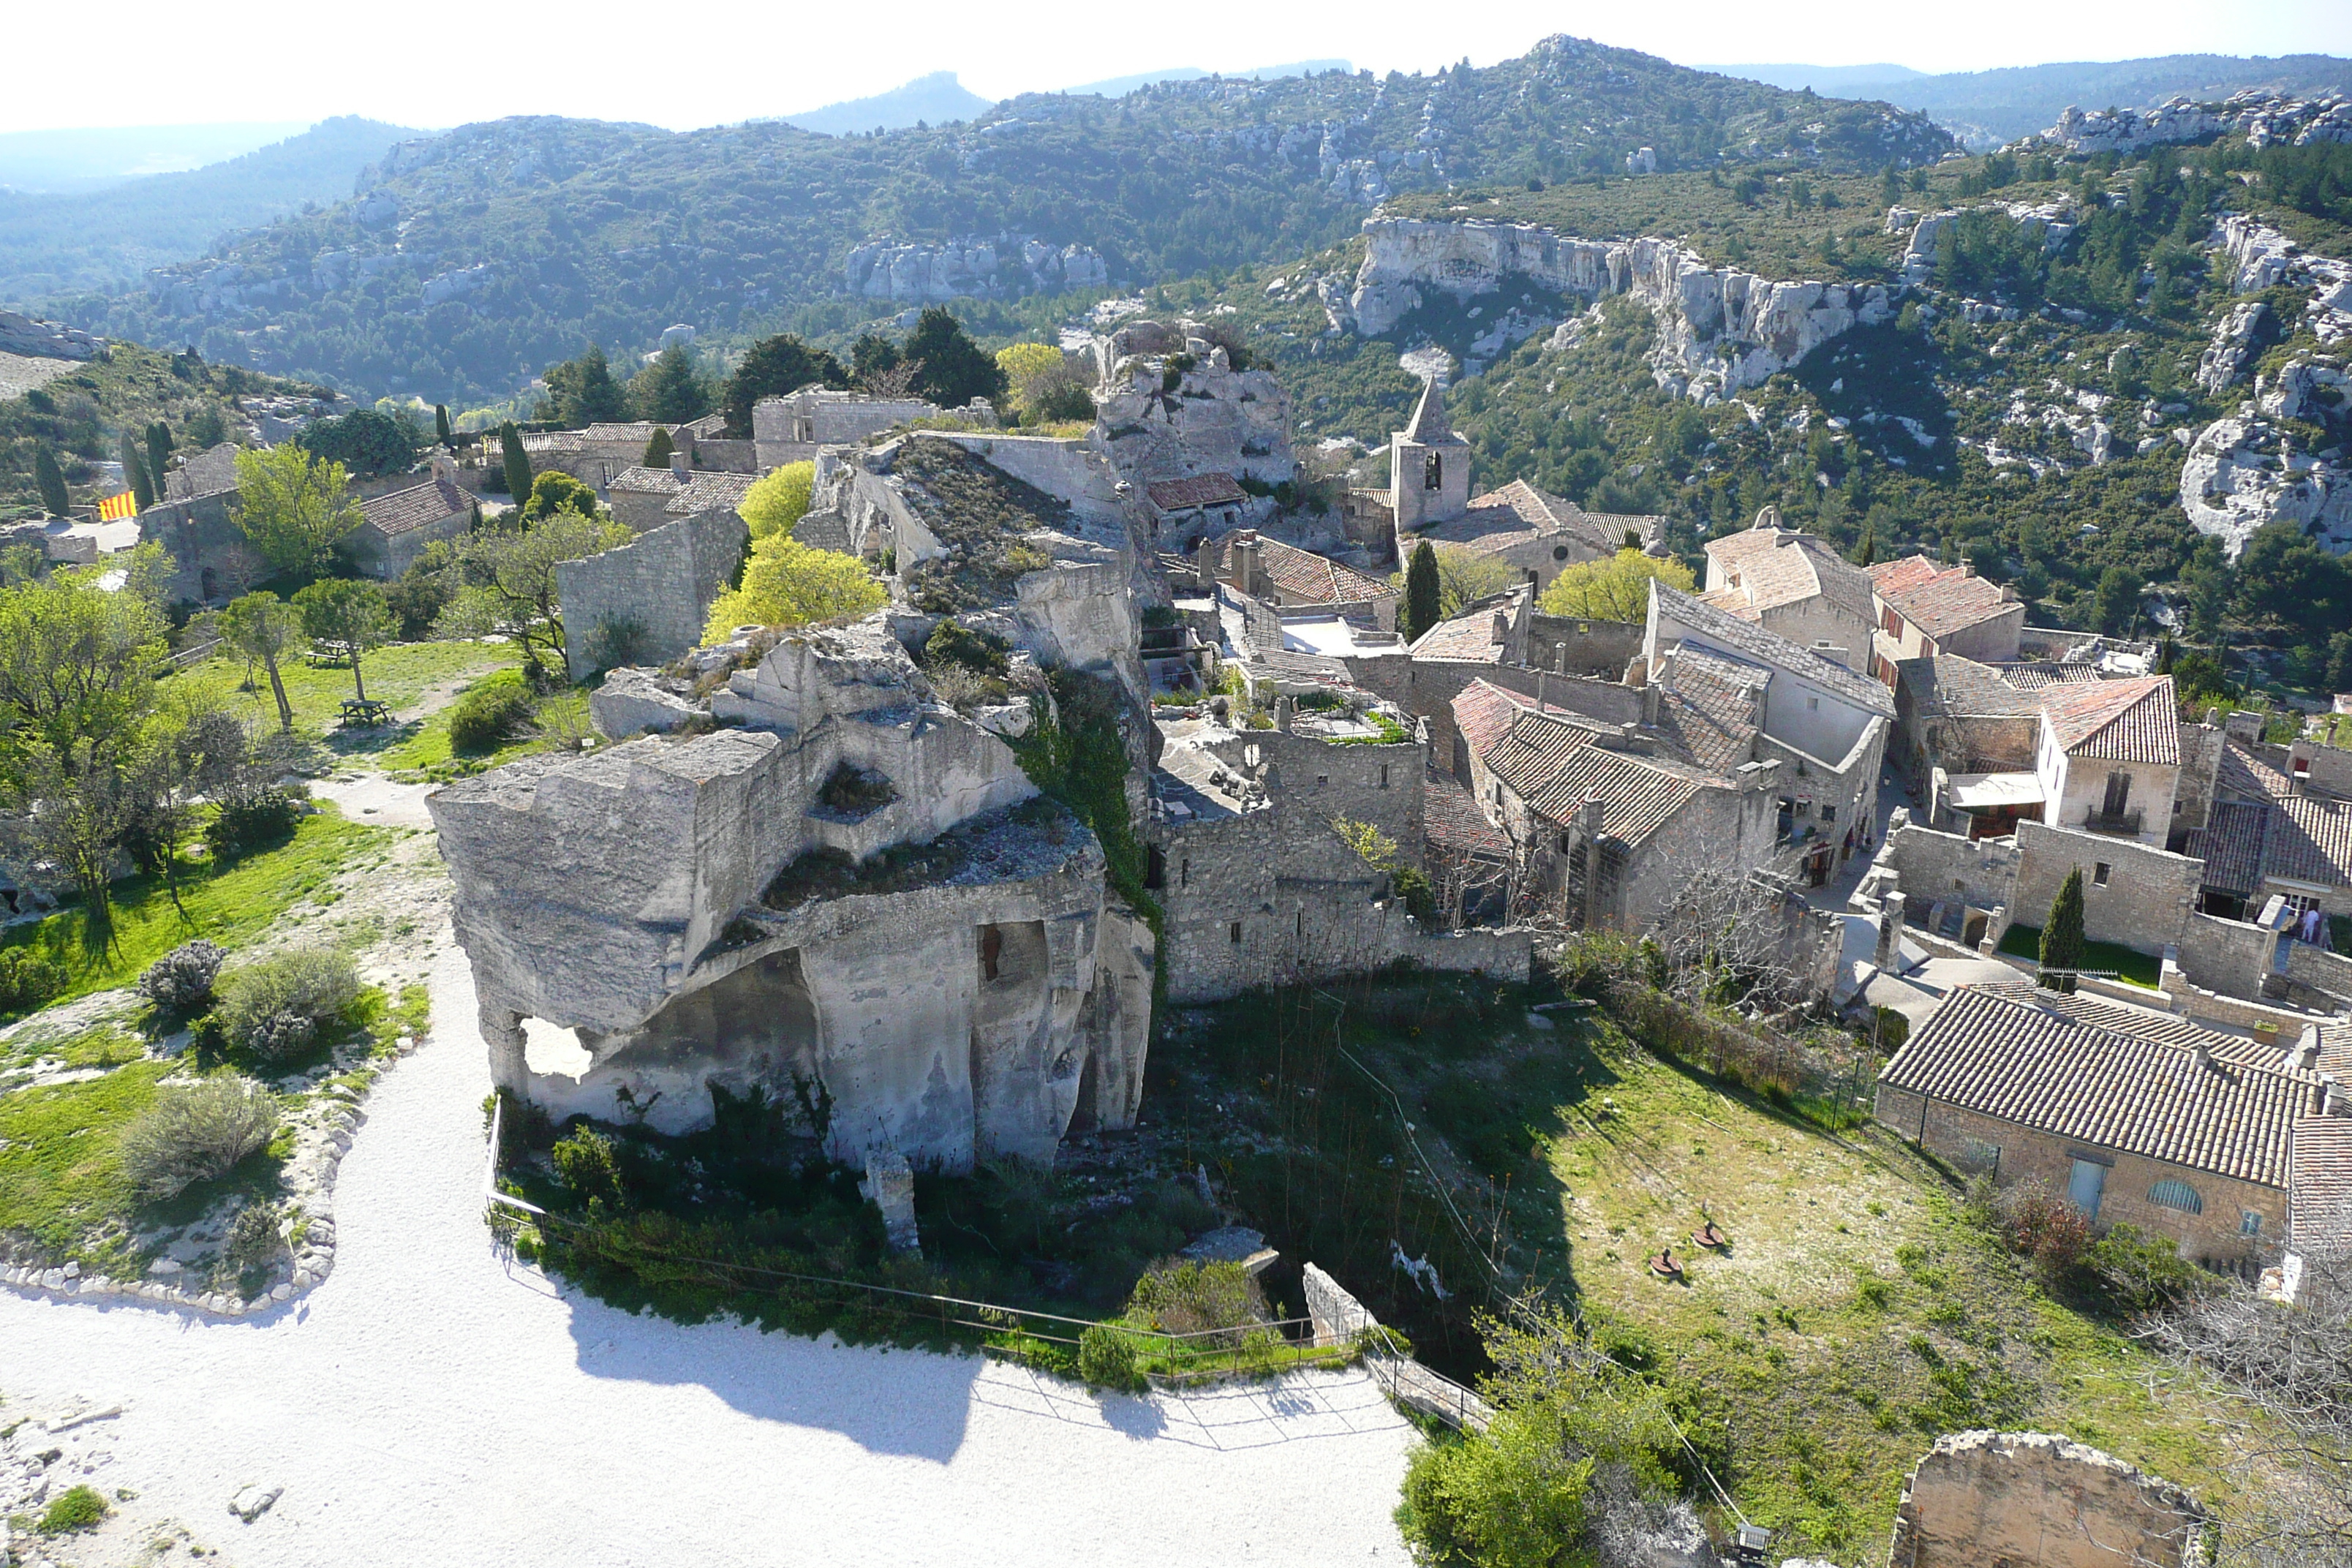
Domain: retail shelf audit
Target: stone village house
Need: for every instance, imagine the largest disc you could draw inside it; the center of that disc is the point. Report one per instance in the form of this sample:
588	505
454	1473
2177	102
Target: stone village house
1795	585
2133	1115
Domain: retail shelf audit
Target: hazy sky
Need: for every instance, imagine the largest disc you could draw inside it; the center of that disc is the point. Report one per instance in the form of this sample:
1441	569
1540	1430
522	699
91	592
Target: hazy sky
721	61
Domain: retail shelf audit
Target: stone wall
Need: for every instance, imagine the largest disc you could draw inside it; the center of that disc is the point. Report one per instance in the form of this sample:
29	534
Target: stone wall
2329	976
1989	1499
1977	1144
2146	895
661	584
1569	646
1936	866
2230	957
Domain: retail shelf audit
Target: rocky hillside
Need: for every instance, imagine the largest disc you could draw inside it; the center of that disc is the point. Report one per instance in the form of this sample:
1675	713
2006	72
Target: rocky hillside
470	260
2088	372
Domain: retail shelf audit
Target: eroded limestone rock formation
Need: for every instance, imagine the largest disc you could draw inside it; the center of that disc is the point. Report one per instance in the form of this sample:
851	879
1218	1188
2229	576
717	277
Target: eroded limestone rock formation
854	904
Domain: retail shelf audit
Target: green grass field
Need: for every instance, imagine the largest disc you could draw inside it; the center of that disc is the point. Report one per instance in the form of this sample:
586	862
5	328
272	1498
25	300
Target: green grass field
2143	969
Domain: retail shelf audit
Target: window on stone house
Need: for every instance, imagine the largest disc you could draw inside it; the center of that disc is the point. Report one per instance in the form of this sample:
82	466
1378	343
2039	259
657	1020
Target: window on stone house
1829	814
1812	702
2099	871
1302	919
1249	756
2172	1194
1234	933
2249	1223
1566	841
1384	775
1433	472
1183	873
1155	868
1322	778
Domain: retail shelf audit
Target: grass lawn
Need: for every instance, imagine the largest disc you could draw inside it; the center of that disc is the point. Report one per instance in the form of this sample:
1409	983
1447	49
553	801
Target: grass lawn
229	906
1853	1317
59	1178
2144	969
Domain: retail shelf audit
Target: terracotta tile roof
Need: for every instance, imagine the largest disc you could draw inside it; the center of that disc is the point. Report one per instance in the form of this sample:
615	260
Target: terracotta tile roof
1452	821
2336	1050
637	476
1554	765
419	506
1942	600
1709	709
1520	514
2142	1023
1199	489
1905	572
2231	845
640	431
1770	567
2117	721
1951	687
1482	712
710	491
1305	577
2036	1064
2319	1203
1468	637
555	440
1738	636
2039	676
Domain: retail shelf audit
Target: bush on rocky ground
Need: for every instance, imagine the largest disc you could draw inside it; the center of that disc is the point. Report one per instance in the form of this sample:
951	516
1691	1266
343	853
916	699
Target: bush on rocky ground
255	821
28	980
253	1239
197	1131
181	981
273	1008
490	713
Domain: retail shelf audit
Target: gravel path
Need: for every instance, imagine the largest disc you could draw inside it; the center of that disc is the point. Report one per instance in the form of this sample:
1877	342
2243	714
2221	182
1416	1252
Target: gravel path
430	1403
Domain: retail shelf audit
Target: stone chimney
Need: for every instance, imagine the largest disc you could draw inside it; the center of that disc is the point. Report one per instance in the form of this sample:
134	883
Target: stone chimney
1245	562
1502	630
444	467
1283	709
1205	564
2009	594
681	464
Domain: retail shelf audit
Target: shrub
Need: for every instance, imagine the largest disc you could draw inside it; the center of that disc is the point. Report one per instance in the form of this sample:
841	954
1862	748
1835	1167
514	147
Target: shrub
196	1132
181	981
586	1162
950	642
1183	1297
2040	1224
77	1508
27	979
1509	1498
2142	1272
253	1237
489	713
856	792
1106	1359
248	823
261	1003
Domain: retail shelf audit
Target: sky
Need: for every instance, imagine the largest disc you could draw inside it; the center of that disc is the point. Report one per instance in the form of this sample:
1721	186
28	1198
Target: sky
727	60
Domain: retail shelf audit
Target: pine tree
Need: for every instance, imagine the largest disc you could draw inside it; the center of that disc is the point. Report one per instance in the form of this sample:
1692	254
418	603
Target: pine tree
1420	592
159	453
953	369
51	480
658	449
134	474
2061	937
441	431
518	466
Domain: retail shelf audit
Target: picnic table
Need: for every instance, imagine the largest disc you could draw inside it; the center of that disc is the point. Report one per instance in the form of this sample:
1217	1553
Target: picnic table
365	712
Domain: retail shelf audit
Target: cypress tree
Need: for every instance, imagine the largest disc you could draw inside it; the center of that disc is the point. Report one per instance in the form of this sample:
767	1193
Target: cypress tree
1420	590
441	431
1866	554
134	474
51	480
658	449
2062	938
518	466
159	453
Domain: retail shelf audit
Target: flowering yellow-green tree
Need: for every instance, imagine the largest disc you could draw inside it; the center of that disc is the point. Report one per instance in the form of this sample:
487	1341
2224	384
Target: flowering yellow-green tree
787	583
1616	589
777	502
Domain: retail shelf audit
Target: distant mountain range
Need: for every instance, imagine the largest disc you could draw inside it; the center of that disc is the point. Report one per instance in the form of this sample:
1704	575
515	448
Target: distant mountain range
1984	109
101	240
56	163
940	98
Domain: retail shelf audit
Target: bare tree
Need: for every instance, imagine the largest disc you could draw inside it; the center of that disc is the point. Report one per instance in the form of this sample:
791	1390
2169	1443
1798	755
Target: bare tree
893	381
2288	1368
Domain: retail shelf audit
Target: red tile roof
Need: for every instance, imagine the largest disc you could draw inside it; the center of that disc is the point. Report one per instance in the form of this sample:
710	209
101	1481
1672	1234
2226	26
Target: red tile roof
1303	578
1554	765
1451	820
2117	721
2302	838
1482	712
2032	1063
1944	599
1520	514
1769	567
1709	709
1468	637
2319	1203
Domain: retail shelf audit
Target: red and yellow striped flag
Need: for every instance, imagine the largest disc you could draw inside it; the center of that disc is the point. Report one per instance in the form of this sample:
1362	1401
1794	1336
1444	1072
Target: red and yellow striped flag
116	506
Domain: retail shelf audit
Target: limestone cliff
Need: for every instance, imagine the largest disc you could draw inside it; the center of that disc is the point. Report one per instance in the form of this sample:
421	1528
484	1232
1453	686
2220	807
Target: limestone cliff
1719	329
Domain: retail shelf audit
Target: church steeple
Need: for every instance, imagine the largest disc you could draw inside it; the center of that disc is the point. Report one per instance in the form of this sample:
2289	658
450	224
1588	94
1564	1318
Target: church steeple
1429	426
1429	465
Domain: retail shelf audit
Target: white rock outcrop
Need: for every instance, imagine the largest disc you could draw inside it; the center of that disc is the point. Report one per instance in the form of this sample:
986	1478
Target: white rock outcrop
931	271
21	334
1719	329
2264	116
2242	475
2237	337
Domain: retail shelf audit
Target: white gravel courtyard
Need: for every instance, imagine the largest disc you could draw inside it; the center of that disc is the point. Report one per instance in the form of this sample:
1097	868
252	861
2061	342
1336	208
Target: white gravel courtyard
430	1403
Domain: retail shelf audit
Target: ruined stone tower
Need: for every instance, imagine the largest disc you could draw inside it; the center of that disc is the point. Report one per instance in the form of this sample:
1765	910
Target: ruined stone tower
1429	466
